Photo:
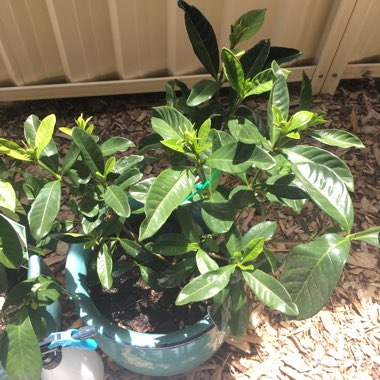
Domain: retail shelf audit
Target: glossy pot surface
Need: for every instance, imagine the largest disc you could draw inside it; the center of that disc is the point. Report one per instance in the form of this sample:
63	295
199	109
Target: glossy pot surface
149	354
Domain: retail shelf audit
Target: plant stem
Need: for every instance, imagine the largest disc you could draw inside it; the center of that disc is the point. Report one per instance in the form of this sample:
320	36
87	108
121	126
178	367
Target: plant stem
56	175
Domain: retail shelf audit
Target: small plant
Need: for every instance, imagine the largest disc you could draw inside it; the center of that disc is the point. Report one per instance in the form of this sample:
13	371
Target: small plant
222	159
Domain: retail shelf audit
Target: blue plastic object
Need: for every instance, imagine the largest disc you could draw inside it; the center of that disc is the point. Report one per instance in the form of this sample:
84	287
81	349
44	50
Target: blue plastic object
149	354
65	339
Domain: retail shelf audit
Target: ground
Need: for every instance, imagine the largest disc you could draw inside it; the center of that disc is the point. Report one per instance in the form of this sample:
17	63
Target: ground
342	341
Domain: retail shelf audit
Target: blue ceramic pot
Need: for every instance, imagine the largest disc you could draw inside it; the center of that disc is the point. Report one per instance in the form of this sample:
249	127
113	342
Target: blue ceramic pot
149	354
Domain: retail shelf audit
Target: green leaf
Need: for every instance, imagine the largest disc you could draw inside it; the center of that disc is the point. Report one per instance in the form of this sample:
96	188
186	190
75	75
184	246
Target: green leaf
104	266
284	186
205	286
13	150
204	262
90	151
176	273
282	55
3	282
126	163
270	292
217	213
150	277
370	236
245	131
70	158
306	95
300	120
135	250
201	92
239	309
262	82
44	133
312	270
264	230
336	137
220	309
253	249
253	59
115	144
44	210
305	153
172	244
116	198
237	157
202	38
139	191
233	70
242	196
170	123
328	192
20	351
167	192
233	240
7	196
11	249
246	26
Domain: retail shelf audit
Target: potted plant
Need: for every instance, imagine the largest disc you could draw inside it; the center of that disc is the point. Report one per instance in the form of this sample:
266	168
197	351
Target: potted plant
219	160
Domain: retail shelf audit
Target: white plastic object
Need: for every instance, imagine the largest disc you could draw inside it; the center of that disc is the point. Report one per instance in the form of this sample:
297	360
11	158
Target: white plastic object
76	364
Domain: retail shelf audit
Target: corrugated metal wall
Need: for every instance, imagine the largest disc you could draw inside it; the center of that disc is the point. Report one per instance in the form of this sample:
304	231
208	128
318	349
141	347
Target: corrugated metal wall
66	48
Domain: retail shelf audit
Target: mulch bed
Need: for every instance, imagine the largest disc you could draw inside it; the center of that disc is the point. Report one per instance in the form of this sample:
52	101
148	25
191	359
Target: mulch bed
343	340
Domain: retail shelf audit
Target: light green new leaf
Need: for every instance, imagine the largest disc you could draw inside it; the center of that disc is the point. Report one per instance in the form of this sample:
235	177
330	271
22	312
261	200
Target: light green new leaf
7	196
312	270
205	286
300	120
270	291
116	198
370	236
104	267
233	70
305	153
253	249
44	133
20	350
90	151
262	82
170	123
336	137
13	150
201	92
167	192
204	262
44	210
115	144
237	157
328	191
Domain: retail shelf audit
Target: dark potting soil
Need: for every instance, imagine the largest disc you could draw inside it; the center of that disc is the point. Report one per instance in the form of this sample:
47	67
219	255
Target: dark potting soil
134	305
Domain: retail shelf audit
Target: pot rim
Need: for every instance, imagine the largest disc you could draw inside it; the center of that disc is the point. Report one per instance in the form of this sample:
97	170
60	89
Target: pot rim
76	282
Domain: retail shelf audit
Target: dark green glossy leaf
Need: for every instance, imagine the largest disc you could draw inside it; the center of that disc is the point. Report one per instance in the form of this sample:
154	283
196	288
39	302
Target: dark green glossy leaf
150	277
239	309
233	240
189	226
285	186
202	91
202	38
172	244
262	82
305	153
204	262
170	123
115	144
89	207
242	196
135	250
116	198
246	26
11	248
3	374
328	191
270	292
128	178
44	210
176	273
336	137
219	139
205	286
263	230
20	351
271	259
70	158
104	267
312	270
237	157
167	192
3	279
90	151
233	70
245	131
370	236
282	55
150	142
306	95
221	309
253	59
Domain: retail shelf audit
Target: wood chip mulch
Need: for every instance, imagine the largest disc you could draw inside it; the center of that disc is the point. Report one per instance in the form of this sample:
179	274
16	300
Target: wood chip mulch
340	342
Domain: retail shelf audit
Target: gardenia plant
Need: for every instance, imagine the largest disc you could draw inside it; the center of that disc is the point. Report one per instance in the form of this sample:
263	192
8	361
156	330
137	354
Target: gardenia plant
222	159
